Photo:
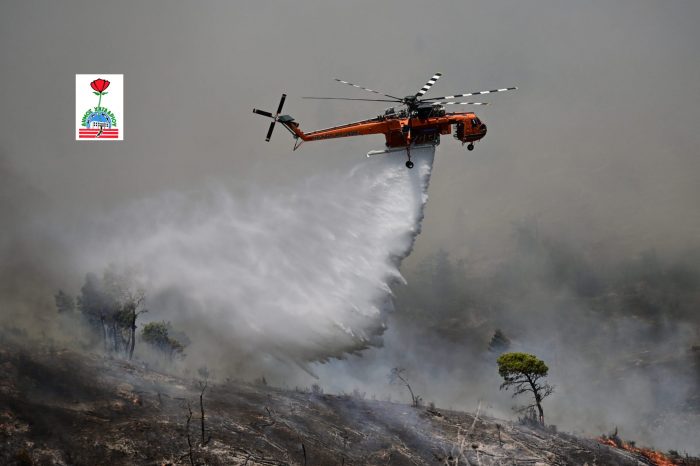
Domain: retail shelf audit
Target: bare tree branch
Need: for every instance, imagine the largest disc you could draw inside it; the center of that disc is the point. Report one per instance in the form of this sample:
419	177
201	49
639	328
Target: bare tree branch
187	429
203	386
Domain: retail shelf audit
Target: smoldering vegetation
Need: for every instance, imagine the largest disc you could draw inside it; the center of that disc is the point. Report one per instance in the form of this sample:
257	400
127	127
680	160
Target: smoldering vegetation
129	415
620	335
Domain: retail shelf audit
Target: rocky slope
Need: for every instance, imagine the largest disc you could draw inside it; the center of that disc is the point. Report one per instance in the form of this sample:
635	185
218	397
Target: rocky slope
68	408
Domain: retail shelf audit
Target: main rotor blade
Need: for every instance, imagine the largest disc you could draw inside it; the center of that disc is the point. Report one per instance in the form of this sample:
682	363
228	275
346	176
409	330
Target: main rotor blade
366	89
428	85
263	113
279	108
462	103
345	98
459	96
269	131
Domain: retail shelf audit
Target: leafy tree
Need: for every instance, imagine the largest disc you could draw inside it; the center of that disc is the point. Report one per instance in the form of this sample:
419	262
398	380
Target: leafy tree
125	318
94	306
110	306
128	301
157	334
523	372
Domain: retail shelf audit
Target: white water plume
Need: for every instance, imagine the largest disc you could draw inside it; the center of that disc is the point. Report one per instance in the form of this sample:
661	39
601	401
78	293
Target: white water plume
300	274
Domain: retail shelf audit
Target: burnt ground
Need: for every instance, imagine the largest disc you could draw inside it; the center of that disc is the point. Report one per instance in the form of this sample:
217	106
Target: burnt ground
69	408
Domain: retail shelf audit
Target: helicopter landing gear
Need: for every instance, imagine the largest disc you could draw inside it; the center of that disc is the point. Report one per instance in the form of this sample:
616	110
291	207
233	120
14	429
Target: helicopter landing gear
409	164
470	146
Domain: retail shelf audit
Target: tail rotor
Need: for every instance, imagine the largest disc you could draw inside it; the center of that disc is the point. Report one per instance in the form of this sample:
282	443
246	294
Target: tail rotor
274	117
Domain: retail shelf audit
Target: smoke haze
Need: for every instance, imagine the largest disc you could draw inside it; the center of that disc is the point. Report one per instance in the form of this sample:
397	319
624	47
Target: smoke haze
596	154
617	340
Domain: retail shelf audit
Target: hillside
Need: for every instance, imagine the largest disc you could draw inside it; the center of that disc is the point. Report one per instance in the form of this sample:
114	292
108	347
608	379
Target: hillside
59	407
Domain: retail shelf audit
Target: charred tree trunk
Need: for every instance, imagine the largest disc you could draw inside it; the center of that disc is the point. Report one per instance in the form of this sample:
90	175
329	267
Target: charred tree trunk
115	337
539	407
201	407
414	401
104	332
187	430
122	344
133	335
538	399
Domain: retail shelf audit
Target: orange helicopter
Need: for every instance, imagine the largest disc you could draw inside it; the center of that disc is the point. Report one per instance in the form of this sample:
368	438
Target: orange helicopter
419	123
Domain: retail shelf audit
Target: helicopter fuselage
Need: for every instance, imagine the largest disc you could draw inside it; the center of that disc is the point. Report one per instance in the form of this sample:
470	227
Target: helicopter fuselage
401	130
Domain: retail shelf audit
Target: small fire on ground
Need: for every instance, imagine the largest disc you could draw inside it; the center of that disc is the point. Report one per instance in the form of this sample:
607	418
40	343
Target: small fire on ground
657	458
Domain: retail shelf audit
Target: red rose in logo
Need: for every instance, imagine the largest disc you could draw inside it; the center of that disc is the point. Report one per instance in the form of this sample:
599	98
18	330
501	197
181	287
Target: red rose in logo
99	85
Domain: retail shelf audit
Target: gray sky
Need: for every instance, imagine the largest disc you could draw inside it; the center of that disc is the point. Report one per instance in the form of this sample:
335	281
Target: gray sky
603	123
601	134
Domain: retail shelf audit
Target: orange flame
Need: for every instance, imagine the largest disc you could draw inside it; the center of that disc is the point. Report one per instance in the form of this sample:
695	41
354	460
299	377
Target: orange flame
659	459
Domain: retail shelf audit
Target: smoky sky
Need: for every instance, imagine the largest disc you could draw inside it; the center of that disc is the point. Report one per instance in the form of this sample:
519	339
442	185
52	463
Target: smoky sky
598	147
600	140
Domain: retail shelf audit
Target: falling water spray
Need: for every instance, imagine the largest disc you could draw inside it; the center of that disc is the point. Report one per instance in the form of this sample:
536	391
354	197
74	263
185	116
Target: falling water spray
298	275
